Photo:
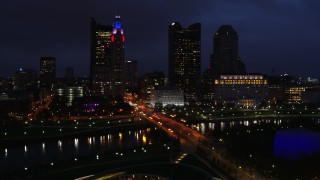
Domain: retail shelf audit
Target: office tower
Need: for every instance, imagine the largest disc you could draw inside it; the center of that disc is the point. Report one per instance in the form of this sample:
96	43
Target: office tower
185	57
100	60
225	58
107	58
117	45
47	71
131	72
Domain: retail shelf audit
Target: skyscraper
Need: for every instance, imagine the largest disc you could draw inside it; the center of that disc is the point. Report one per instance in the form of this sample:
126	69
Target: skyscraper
47	71
185	57
117	45
131	73
107	58
225	58
100	63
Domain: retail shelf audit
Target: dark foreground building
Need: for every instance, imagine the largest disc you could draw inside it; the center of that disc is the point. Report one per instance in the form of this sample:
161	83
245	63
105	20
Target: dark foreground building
185	57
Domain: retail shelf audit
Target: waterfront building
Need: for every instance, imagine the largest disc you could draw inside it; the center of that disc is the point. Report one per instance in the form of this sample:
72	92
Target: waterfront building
240	90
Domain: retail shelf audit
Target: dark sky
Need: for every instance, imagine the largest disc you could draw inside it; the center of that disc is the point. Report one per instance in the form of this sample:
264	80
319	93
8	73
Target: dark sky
279	34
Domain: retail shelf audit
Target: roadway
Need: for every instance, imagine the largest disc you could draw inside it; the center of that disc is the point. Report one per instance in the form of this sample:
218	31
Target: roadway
191	140
162	170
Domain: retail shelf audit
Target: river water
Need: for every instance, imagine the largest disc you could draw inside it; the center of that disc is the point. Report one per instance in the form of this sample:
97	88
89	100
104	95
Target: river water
49	151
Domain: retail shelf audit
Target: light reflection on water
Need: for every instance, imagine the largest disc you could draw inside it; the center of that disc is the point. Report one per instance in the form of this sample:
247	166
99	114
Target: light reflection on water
60	146
43	148
223	125
288	143
205	128
76	145
25	150
211	126
32	153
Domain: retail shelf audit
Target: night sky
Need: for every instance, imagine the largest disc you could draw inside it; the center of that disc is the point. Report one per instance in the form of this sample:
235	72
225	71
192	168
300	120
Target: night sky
279	34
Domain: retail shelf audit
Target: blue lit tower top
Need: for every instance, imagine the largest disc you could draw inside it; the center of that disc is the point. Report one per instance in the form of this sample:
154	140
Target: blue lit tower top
117	28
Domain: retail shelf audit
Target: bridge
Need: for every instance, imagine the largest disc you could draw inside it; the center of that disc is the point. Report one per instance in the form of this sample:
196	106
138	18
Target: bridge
193	142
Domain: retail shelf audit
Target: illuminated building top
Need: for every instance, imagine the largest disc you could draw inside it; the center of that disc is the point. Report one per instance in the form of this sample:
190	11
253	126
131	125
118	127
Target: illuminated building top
117	28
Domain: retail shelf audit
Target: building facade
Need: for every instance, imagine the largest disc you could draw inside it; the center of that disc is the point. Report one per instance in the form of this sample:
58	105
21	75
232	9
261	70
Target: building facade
107	58
167	95
131	72
225	58
185	57
47	71
69	93
148	82
240	90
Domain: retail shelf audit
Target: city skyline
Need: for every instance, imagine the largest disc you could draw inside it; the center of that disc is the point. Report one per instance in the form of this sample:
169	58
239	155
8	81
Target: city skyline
280	35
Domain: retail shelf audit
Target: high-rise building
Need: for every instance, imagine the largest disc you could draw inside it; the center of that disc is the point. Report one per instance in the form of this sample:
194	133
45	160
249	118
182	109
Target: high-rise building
131	72
47	71
185	57
117	42
225	58
100	63
107	58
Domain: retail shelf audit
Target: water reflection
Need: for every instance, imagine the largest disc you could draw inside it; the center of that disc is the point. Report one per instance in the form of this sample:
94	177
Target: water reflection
109	138
103	141
222	124
6	153
211	126
205	128
144	139
120	136
76	145
202	128
60	146
93	141
43	148
25	150
246	123
30	154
